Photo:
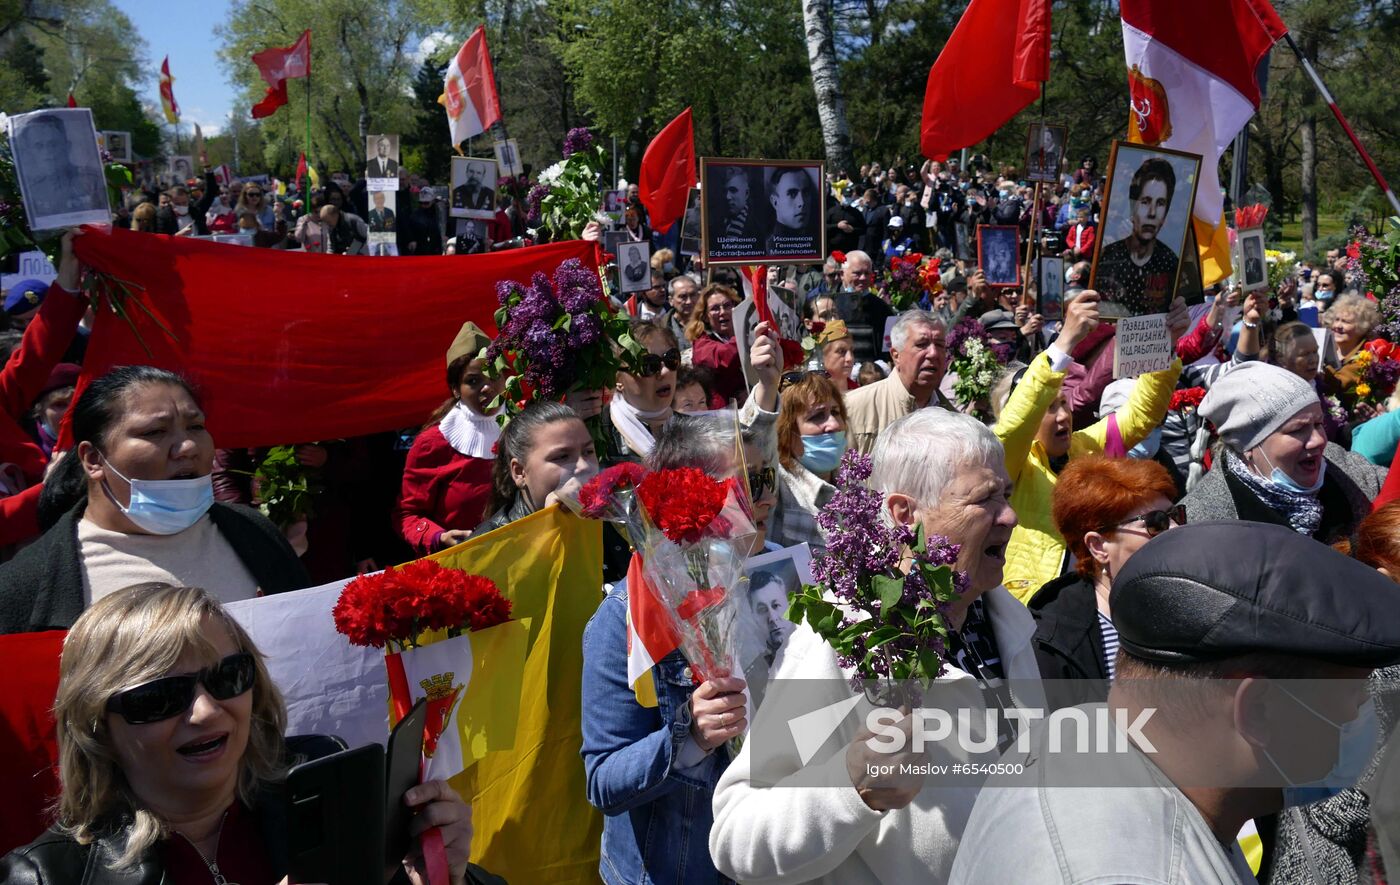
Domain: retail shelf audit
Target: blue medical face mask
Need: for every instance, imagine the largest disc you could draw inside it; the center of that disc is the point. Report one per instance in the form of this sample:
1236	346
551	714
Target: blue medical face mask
1356	743
1147	449
164	506
821	452
1288	484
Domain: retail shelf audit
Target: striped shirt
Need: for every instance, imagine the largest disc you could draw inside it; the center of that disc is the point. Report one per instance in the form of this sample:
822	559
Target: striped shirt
1110	643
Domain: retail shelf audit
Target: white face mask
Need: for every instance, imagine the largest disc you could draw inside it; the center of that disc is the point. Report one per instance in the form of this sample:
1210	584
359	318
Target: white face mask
180	210
164	506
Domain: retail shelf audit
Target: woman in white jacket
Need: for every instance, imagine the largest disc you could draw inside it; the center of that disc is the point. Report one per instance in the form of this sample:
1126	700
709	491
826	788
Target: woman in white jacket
790	810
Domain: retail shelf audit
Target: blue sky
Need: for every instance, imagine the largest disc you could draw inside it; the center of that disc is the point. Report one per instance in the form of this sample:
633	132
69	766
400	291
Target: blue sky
184	30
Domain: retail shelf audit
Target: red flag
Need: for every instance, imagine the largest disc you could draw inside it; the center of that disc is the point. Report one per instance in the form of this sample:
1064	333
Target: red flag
1011	54
167	93
668	172
320	364
278	65
469	90
72	102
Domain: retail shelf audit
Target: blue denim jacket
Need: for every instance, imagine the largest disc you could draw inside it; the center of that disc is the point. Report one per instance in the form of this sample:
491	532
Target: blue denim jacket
657	816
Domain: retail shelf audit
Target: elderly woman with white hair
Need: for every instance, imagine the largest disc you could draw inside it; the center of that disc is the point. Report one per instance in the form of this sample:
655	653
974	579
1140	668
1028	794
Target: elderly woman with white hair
822	815
1351	320
1273	462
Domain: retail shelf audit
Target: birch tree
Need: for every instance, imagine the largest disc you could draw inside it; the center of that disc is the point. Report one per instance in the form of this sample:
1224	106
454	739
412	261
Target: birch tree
831	105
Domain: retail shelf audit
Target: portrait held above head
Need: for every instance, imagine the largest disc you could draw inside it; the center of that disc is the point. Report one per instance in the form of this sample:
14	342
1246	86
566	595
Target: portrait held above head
59	169
756	212
382	157
1145	220
473	188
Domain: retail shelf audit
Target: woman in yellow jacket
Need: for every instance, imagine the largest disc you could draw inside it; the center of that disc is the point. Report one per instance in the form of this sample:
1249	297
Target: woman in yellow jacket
1035	427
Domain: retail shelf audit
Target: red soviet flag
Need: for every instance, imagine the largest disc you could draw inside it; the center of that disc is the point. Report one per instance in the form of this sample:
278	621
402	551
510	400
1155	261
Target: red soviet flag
278	65
990	69
668	172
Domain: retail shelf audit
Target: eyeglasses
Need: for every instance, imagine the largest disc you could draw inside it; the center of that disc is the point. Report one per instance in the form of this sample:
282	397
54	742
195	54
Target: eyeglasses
172	695
791	378
252	193
761	480
650	364
1155	521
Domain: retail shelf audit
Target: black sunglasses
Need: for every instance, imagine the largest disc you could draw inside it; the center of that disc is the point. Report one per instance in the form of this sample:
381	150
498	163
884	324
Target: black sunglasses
791	378
1155	521
650	364
761	480
172	695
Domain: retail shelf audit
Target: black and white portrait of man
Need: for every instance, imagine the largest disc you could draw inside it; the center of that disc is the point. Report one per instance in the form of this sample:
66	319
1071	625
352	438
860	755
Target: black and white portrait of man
59	169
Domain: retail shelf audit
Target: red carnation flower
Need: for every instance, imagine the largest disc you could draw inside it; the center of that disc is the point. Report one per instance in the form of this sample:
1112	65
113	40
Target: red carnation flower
1354	250
838	256
682	502
793	354
1188	398
597	493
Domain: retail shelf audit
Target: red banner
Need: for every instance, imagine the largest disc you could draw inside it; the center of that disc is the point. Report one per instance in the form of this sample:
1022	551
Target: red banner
28	745
289	347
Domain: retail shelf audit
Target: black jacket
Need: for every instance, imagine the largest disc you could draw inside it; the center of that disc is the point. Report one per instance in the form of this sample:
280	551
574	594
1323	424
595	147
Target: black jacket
42	587
168	223
1068	641
56	857
838	239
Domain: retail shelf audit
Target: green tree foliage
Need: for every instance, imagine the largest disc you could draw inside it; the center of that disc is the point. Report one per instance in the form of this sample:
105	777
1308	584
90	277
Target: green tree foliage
362	64
87	47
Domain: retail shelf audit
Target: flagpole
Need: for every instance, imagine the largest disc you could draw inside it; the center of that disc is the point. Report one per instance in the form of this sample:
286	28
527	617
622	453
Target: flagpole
307	195
1346	127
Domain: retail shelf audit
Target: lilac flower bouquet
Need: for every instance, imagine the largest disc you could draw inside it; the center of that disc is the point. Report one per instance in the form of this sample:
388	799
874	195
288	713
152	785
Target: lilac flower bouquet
977	362
882	590
557	335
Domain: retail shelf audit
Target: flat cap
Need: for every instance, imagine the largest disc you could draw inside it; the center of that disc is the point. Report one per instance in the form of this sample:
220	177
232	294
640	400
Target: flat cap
1219	589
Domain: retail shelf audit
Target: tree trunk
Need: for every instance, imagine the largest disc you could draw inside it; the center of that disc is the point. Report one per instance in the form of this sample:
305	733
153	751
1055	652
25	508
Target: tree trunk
831	106
1309	160
1309	188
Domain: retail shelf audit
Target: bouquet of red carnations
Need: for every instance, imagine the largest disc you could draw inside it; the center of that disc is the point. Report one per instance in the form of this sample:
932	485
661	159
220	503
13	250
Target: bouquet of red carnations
434	623
691	533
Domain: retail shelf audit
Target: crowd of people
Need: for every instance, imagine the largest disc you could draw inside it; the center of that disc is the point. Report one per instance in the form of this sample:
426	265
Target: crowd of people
1221	522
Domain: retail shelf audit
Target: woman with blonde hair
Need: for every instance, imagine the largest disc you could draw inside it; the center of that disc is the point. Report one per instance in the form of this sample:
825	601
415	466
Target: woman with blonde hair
172	755
143	218
711	329
1351	319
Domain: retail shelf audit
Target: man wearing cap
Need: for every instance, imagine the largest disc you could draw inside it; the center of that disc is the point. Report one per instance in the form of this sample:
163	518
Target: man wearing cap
423	229
1241	691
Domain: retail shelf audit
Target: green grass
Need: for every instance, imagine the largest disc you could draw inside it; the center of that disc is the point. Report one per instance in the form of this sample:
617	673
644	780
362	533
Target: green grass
1292	239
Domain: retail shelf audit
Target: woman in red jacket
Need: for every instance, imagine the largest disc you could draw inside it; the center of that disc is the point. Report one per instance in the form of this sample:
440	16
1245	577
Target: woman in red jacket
447	479
711	329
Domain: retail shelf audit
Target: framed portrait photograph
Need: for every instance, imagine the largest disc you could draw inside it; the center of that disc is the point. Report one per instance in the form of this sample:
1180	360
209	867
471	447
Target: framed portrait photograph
1188	281
508	157
382	162
1142	234
61	179
691	224
633	267
999	254
762	211
383	220
1251	267
180	168
773	579
473	188
614	201
1050	289
118	145
472	237
1045	151
613	240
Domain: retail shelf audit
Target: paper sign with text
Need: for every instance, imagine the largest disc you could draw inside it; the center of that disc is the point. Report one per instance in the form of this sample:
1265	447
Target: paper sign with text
1141	345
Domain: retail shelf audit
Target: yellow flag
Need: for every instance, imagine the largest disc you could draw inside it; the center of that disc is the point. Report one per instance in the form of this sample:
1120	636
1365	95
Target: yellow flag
531	819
